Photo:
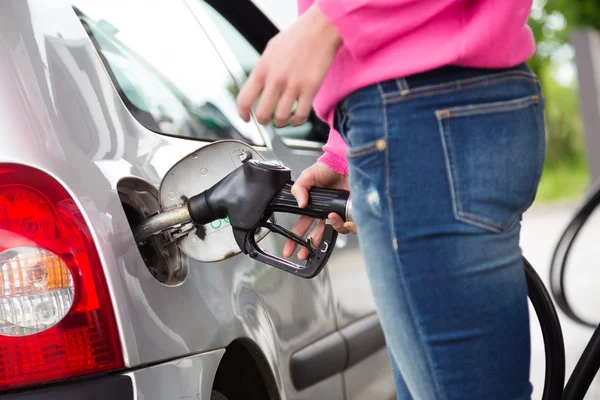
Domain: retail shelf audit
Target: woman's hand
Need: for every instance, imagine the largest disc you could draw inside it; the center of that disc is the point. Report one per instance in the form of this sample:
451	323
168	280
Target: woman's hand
291	69
319	175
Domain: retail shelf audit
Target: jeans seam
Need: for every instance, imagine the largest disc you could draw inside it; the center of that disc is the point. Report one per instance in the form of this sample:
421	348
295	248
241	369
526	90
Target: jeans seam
492	77
414	95
484	222
500	106
541	144
366	149
450	170
409	299
483	225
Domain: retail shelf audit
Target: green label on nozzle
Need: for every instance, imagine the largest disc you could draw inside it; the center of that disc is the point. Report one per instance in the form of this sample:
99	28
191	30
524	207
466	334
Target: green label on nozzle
217	225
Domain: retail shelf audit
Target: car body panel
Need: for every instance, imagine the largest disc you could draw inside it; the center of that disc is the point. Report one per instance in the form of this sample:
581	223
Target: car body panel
181	379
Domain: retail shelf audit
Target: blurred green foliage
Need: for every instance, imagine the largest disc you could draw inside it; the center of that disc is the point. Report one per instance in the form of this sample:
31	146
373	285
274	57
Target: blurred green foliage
578	13
565	170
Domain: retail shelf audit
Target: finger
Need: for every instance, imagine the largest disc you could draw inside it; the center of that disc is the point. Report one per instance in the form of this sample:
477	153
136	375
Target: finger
337	222
351	226
268	100
284	108
300	188
250	92
300	228
315	238
303	109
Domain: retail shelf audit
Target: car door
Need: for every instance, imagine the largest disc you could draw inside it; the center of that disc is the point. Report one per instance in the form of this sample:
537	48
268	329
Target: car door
240	42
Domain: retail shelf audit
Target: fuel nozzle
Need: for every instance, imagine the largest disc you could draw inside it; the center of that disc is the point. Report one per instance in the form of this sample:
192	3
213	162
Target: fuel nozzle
251	194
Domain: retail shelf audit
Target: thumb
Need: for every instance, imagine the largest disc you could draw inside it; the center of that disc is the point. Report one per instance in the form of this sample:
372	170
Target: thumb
301	187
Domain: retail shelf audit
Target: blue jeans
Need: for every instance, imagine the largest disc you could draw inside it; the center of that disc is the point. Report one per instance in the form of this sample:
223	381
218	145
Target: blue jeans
442	167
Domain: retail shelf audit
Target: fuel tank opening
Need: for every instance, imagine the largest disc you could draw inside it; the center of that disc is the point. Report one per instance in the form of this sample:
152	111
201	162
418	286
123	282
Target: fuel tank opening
161	255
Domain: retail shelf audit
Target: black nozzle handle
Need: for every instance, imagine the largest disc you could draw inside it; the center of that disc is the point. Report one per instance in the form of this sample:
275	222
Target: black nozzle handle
321	202
243	195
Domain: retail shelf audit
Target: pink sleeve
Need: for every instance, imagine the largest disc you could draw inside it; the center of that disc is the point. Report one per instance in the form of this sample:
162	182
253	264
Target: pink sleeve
335	153
366	25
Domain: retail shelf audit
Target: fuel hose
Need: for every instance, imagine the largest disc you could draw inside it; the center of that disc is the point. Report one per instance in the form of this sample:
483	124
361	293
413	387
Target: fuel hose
558	265
554	346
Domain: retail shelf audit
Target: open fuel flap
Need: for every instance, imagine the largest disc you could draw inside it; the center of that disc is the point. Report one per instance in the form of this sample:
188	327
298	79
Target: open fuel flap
194	174
221	200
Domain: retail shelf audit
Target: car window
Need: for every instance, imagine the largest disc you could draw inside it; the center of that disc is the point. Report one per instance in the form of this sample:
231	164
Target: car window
165	69
314	129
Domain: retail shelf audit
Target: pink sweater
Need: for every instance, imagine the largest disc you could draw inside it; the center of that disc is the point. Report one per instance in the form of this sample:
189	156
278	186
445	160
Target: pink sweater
386	39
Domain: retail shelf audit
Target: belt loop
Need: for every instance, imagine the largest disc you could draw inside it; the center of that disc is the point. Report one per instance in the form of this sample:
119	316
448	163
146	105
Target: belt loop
402	86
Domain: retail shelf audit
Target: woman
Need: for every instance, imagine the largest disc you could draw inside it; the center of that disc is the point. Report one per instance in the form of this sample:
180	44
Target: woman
437	130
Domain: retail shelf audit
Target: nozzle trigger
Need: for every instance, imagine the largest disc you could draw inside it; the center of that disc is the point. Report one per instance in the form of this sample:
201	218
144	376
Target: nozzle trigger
316	261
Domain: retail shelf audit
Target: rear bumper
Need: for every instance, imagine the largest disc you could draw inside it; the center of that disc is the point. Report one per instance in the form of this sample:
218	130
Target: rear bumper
118	387
185	378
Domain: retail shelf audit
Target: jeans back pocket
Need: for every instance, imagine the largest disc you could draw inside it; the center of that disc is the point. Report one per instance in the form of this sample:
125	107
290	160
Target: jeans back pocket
494	157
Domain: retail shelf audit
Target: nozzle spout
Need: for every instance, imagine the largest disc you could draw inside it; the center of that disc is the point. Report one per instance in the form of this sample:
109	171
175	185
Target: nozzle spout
161	222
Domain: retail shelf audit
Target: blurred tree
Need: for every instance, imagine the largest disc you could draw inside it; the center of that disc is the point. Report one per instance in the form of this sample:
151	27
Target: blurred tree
549	29
551	22
578	13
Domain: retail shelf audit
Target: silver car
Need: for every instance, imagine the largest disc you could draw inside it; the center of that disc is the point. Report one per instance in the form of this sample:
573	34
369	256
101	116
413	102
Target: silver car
98	100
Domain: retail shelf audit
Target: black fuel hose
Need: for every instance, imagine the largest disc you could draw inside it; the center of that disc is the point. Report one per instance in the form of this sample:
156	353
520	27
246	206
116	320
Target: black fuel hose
558	265
554	346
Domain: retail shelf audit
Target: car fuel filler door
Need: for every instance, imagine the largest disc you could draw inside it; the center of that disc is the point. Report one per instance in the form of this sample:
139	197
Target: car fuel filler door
220	200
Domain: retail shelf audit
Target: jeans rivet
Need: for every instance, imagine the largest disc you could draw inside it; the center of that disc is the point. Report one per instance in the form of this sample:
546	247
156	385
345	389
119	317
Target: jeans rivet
380	145
443	113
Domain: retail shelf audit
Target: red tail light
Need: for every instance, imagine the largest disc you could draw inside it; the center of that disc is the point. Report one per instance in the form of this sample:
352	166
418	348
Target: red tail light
56	317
